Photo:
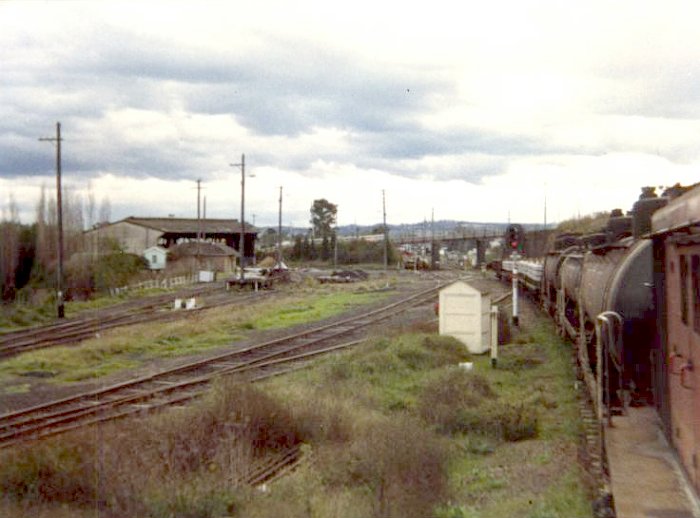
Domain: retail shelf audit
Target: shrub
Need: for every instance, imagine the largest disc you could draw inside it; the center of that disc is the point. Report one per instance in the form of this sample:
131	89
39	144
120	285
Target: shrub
321	419
185	463
447	348
116	269
445	399
510	422
398	461
458	401
49	471
262	420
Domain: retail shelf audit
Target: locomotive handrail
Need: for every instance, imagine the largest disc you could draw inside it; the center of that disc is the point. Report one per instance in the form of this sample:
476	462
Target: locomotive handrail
607	334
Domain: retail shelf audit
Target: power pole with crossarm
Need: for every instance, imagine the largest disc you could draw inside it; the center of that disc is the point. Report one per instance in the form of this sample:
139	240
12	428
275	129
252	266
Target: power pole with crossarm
59	220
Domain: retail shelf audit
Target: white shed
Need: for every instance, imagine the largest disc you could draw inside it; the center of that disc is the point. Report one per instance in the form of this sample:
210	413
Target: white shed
156	257
465	314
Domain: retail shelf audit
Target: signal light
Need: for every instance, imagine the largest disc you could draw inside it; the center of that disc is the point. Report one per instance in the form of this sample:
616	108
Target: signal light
514	238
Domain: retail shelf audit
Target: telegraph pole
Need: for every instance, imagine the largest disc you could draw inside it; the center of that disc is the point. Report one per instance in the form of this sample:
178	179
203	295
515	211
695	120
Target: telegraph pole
241	241
199	220
279	234
432	238
59	220
335	241
386	239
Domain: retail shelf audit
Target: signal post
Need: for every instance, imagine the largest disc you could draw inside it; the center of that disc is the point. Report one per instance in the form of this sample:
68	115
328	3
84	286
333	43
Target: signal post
515	241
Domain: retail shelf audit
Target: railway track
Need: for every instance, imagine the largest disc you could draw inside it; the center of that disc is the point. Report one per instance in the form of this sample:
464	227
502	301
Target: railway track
184	383
76	330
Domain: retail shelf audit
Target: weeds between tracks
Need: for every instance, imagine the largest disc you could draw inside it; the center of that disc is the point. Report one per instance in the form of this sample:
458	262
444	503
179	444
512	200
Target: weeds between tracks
118	350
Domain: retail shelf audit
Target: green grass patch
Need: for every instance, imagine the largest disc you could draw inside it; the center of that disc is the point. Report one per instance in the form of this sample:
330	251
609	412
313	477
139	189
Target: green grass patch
17	388
18	316
315	308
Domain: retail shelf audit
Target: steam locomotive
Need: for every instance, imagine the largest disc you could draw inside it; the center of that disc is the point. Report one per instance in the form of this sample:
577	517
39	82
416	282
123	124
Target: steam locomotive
629	298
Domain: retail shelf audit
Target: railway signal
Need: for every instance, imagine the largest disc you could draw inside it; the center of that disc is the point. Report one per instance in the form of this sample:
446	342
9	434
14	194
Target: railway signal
515	242
515	238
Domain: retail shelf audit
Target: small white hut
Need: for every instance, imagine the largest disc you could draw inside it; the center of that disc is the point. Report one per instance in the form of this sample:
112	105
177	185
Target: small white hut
465	315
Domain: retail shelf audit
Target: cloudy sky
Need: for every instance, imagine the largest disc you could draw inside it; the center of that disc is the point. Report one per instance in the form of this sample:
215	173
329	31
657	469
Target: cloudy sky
476	110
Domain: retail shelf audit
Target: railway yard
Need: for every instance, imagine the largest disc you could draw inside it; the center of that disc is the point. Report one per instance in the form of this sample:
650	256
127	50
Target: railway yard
63	412
322	398
263	260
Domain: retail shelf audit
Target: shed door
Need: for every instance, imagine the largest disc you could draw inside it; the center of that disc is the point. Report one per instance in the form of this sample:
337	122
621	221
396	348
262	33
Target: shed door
683	323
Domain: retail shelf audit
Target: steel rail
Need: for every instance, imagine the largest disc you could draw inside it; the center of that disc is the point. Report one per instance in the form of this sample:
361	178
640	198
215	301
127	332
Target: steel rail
98	315
85	329
84	409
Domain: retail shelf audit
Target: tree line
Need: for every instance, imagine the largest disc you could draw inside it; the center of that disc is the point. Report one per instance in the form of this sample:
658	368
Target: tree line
29	252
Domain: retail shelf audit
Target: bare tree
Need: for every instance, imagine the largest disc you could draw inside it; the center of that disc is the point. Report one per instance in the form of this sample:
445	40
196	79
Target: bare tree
9	249
73	223
45	234
90	207
105	211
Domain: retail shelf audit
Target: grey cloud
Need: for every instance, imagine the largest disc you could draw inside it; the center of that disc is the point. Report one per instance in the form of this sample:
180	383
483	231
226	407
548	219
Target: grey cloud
281	89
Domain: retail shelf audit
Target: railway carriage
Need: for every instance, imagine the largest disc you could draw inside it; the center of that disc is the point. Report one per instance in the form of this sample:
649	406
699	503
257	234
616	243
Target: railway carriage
676	238
629	297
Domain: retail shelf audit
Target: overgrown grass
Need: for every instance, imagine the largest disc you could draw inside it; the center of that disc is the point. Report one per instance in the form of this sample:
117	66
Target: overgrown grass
20	315
390	429
127	348
184	463
17	316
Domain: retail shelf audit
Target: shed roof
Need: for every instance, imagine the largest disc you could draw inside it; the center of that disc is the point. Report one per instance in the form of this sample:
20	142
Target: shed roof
203	248
191	225
155	248
460	287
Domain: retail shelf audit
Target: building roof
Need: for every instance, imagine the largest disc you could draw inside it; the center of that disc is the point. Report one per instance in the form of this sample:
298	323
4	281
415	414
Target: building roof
155	248
191	225
203	248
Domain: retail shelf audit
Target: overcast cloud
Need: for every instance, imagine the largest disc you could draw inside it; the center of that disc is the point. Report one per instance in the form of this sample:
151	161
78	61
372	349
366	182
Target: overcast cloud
476	110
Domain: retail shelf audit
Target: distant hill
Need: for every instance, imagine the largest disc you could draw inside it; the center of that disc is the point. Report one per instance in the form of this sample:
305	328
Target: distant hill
441	228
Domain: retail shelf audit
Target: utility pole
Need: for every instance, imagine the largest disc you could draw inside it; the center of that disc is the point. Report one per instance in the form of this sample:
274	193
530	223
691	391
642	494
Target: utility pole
59	219
424	244
386	238
279	234
335	242
432	239
241	241
199	221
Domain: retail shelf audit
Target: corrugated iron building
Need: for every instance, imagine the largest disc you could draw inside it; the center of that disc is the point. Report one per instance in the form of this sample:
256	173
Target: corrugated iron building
134	235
